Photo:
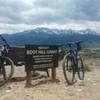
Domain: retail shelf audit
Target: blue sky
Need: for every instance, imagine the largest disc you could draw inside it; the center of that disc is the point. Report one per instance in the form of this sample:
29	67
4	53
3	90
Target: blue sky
19	15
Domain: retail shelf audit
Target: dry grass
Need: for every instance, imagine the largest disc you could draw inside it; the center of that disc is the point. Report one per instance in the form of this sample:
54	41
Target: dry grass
91	64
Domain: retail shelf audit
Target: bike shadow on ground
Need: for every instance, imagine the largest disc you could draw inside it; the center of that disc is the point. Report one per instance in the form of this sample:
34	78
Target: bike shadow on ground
17	79
41	78
46	81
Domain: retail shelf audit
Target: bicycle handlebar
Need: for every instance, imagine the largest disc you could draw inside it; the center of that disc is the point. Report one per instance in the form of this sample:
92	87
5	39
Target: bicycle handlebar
4	41
76	42
71	44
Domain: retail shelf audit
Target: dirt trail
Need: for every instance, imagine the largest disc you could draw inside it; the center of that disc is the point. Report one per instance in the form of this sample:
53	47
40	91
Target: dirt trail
45	89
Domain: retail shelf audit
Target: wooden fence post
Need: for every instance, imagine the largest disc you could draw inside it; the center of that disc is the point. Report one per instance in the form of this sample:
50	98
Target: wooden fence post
28	79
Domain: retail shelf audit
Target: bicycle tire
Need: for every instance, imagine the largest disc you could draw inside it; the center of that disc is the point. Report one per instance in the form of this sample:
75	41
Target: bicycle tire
66	60
80	69
7	65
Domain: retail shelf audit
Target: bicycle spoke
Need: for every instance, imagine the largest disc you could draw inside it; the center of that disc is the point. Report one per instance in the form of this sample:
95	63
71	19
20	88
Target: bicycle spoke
68	69
80	69
6	70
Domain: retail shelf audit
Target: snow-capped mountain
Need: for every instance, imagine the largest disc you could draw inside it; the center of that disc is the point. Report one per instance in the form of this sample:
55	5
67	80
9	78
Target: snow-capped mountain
51	36
87	31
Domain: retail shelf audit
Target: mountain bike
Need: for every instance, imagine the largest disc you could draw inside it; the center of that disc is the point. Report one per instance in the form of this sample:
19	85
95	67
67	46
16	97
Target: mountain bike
6	64
73	63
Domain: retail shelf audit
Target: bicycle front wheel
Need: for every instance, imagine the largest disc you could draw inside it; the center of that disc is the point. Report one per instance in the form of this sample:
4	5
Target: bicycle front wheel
80	69
68	70
6	70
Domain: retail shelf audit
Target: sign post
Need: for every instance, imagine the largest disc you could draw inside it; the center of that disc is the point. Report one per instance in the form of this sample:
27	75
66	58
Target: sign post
40	57
28	78
53	73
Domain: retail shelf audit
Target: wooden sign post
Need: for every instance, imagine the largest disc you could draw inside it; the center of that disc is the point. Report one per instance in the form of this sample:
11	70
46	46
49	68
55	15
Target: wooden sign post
53	72
40	57
28	79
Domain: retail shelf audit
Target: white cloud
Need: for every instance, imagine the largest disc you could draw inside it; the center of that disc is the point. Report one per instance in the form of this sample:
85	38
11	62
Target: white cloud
16	15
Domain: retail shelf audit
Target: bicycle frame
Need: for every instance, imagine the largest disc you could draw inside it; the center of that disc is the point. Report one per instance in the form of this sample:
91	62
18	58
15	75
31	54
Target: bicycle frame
73	63
73	53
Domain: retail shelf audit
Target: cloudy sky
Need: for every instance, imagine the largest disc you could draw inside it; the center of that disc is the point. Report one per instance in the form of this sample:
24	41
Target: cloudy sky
19	15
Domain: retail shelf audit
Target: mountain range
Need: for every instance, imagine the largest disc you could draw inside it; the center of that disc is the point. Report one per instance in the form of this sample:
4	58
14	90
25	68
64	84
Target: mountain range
45	36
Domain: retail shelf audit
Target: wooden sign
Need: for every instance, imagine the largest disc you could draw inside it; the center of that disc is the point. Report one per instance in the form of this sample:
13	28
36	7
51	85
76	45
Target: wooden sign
41	56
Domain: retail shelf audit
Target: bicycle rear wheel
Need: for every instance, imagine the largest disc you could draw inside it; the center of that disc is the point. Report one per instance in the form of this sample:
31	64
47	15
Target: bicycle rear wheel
6	70
69	70
80	69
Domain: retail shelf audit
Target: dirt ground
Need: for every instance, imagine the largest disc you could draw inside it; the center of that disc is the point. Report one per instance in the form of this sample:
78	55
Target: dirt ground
45	89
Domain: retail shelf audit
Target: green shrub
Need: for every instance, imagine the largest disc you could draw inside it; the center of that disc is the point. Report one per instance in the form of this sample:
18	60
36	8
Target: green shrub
61	53
88	68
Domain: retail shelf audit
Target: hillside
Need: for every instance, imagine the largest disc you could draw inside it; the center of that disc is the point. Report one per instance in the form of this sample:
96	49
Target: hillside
53	36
